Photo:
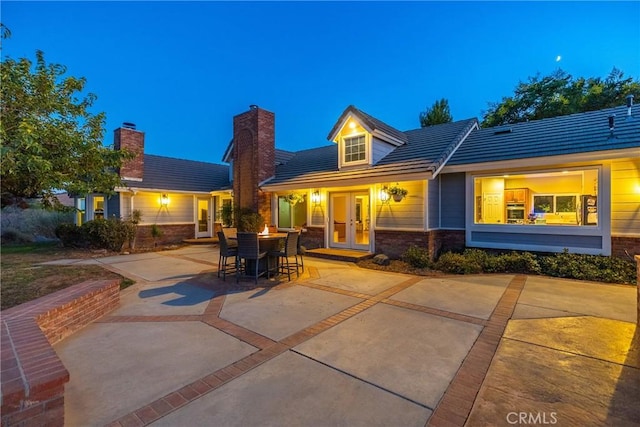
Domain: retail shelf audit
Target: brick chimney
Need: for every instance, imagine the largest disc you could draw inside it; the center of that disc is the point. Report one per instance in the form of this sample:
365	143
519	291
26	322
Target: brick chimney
254	159
132	140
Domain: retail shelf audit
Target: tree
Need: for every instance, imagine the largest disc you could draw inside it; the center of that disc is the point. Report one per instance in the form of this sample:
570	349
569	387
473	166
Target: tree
50	141
559	94
438	113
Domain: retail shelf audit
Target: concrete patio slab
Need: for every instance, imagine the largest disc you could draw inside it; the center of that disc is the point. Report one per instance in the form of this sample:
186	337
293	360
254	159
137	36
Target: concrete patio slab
524	311
553	387
292	390
164	298
278	313
160	267
116	369
587	298
416	350
458	295
359	280
604	339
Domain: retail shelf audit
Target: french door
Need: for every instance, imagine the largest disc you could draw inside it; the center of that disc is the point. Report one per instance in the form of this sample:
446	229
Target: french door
349	220
203	227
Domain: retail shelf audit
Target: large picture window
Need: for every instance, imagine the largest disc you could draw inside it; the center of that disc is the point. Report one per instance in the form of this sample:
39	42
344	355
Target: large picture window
567	197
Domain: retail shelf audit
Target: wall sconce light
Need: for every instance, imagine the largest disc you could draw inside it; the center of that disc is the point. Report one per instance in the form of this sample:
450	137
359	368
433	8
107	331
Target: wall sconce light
315	197
164	200
384	195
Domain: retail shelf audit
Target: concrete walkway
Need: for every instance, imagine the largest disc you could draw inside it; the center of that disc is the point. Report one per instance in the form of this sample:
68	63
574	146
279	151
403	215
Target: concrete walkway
348	346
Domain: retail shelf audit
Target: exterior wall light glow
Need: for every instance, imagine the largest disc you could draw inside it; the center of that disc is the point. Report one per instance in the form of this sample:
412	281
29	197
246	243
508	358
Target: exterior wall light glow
384	194
352	124
164	200
315	197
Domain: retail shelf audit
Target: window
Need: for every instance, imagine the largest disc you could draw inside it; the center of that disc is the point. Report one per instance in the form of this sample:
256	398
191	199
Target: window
553	198
354	149
291	215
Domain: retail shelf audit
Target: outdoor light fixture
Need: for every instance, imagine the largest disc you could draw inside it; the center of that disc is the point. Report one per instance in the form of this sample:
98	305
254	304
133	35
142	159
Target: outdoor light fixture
315	197
164	200
384	194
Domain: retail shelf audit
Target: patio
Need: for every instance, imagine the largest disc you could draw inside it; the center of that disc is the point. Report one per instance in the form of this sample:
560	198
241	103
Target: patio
347	346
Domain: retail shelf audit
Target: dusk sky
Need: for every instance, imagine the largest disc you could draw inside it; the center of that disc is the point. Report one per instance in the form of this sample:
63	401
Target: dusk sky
182	70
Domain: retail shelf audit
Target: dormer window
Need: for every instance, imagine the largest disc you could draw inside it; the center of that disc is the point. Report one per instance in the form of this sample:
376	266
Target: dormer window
355	149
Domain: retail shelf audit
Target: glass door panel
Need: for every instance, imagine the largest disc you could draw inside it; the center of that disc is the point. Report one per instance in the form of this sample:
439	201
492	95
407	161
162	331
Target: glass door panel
203	218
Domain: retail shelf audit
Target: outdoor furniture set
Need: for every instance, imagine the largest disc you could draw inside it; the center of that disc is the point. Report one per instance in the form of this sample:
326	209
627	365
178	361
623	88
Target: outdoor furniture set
255	255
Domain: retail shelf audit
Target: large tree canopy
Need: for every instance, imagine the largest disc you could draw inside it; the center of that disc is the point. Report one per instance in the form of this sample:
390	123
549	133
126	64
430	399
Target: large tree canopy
50	140
438	113
559	94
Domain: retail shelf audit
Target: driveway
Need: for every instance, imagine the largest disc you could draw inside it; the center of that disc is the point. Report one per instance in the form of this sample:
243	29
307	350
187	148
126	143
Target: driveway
347	346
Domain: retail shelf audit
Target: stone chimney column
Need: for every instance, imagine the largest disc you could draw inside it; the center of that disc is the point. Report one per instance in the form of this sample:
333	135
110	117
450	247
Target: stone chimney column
132	140
253	159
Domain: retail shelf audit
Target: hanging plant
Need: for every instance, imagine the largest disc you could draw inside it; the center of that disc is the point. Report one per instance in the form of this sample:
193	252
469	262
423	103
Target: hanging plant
398	193
295	198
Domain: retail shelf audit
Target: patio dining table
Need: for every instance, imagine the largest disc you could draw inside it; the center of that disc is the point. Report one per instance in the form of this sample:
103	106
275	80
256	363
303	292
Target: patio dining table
268	243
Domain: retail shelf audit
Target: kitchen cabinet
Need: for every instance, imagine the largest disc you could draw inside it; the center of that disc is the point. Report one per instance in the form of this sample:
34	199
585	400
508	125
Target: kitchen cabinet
516	195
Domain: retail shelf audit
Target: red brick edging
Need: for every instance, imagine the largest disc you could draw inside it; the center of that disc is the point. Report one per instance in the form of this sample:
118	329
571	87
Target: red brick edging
33	376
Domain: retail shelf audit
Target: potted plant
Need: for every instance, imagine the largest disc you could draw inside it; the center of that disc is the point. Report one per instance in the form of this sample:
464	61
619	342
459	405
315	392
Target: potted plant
398	193
226	214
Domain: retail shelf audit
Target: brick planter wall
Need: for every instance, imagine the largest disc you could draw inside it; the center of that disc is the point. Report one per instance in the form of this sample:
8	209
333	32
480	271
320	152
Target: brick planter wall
33	377
620	244
638	289
173	233
313	238
395	243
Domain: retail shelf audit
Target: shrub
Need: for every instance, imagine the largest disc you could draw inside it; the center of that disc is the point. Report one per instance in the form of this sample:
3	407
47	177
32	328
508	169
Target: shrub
417	257
457	264
34	222
517	262
13	236
250	221
106	233
589	267
71	236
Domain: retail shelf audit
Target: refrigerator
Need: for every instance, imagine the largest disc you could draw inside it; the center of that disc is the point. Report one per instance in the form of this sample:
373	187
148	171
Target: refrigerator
589	209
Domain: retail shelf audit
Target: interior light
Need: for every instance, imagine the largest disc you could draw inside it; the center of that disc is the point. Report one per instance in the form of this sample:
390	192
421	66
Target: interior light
164	200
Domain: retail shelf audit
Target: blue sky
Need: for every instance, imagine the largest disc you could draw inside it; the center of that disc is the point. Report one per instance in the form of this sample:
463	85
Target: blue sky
182	70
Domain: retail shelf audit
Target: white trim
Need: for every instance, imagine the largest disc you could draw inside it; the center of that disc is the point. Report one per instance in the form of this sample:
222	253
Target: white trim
626	235
444	163
602	230
127	178
164	190
385	137
342	164
529	163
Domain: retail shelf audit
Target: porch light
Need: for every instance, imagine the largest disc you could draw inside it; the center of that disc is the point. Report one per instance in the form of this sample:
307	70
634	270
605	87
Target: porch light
164	200
315	197
384	194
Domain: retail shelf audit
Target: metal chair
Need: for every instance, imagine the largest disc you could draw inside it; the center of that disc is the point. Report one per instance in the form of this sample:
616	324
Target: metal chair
290	250
226	252
249	256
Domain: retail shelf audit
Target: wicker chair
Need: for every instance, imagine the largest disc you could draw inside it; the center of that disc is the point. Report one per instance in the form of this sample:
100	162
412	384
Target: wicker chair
249	250
290	250
226	252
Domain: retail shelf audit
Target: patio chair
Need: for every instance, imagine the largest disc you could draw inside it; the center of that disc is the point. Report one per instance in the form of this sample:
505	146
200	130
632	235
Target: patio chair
290	250
301	252
226	252
249	256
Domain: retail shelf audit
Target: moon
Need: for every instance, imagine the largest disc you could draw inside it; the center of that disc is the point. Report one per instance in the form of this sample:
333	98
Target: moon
558	58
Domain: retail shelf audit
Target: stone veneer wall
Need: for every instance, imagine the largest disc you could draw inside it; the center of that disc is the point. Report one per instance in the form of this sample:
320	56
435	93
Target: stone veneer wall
171	233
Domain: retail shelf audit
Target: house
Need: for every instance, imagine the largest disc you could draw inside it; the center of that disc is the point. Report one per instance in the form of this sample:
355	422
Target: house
567	182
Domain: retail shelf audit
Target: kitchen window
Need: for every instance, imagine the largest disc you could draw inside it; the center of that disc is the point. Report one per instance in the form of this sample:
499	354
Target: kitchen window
561	197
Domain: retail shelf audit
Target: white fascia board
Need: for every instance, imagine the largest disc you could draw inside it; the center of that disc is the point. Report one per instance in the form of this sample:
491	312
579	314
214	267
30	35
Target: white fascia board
350	116
530	162
387	138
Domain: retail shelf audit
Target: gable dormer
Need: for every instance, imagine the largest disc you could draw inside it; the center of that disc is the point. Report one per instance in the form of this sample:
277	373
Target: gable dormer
362	139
